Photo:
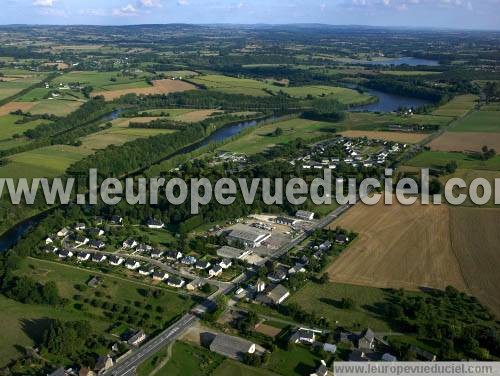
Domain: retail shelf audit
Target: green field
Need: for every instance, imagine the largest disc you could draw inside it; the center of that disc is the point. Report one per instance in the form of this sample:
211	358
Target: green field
260	139
478	121
9	128
9	88
23	325
297	361
325	300
189	359
58	107
232	368
409	73
458	106
436	159
47	162
102	80
40	93
232	85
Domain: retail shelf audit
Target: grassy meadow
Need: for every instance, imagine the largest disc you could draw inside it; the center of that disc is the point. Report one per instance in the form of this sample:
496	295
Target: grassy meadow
437	159
478	121
458	106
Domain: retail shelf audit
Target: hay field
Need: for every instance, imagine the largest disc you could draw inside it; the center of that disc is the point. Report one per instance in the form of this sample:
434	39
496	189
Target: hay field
458	106
407	138
478	121
6	109
465	141
159	87
422	246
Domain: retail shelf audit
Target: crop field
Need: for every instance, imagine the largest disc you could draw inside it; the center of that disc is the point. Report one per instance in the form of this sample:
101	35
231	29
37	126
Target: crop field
438	159
47	162
100	80
9	128
247	86
326	302
261	138
14	106
465	141
118	134
422	246
58	107
407	138
11	87
478	121
458	106
158	87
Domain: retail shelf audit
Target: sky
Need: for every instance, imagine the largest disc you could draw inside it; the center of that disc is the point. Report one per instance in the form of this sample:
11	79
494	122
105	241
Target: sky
457	14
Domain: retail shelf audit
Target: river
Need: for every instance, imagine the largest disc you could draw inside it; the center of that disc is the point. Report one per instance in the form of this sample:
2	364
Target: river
410	61
386	103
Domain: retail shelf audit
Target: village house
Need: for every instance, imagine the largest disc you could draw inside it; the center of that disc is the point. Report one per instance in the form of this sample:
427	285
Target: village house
366	340
173	255
146	270
277	276
49	240
116	260
156	253
63	232
215	271
278	294
129	244
143	248
174	281
195	284
225	263
81	240
137	338
341	239
260	285
97	244
80	226
116	220
63	254
132	265
188	260
83	256
322	370
103	363
85	371
297	268
155	224
303	336
160	275
95	232
202	264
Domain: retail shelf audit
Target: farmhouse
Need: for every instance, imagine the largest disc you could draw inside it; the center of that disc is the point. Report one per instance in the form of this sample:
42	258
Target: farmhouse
155	224
303	214
232	253
232	347
251	237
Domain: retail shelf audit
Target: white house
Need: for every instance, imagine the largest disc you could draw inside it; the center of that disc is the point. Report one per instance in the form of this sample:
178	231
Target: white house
132	265
116	260
65	254
129	244
225	263
175	282
215	271
49	241
63	232
97	257
83	256
155	224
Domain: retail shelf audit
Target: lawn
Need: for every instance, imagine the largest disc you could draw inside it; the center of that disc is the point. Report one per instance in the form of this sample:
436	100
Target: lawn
437	159
9	128
46	162
478	121
189	359
232	368
261	139
325	301
297	361
458	106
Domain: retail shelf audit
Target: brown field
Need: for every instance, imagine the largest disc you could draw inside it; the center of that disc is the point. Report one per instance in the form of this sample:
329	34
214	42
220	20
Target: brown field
422	246
465	141
407	138
194	116
13	106
159	87
267	330
60	66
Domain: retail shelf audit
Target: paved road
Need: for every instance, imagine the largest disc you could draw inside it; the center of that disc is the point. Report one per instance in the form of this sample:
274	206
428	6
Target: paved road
129	364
